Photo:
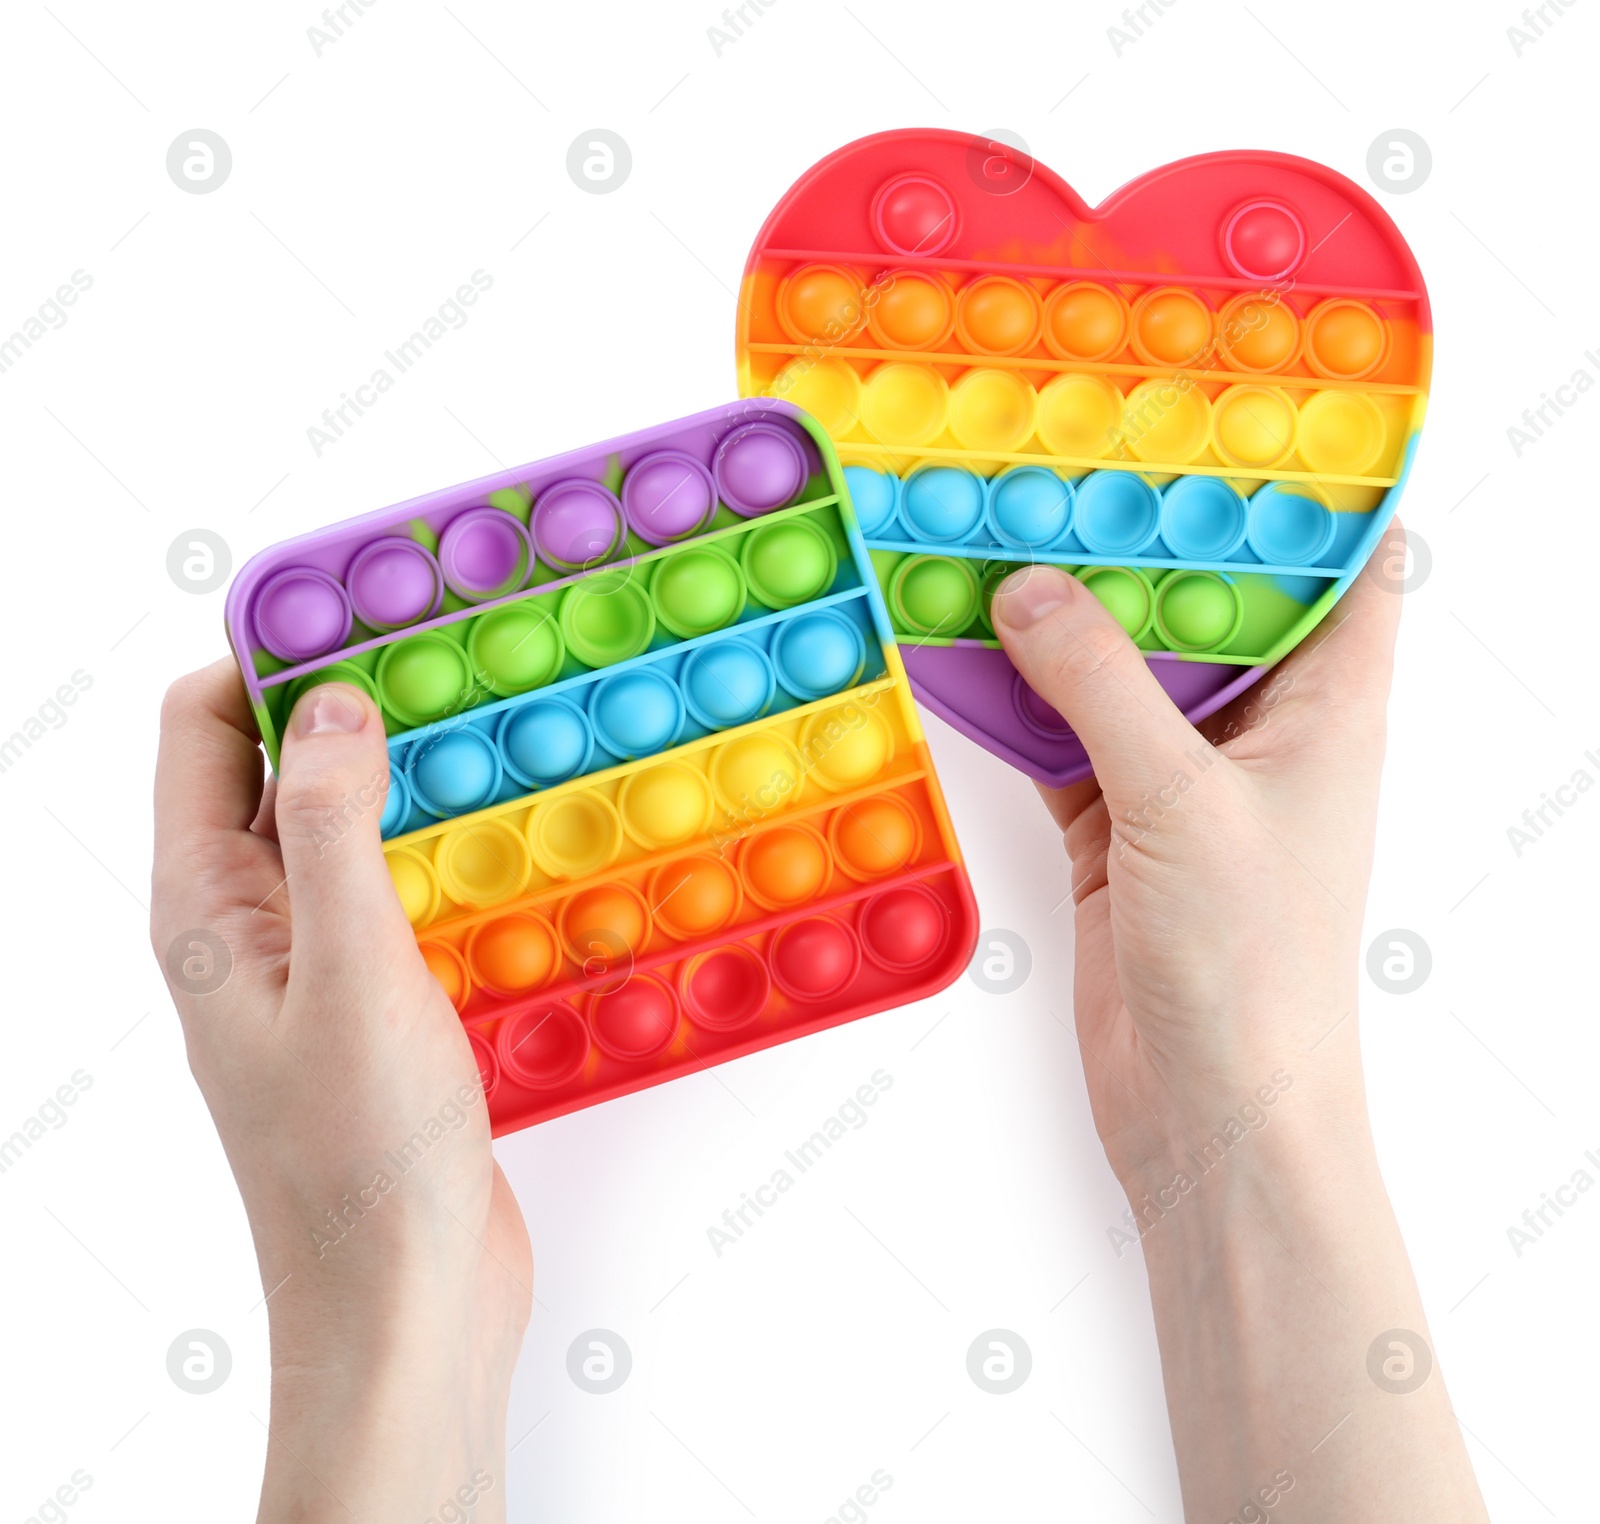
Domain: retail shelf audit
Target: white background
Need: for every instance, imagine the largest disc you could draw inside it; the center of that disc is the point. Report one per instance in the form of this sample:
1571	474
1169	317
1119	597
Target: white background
368	183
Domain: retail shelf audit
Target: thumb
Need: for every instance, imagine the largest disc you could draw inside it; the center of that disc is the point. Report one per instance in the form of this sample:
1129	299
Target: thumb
1075	656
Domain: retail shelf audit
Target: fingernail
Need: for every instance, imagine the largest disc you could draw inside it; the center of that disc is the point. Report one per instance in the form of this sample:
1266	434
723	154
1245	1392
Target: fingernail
1030	595
324	711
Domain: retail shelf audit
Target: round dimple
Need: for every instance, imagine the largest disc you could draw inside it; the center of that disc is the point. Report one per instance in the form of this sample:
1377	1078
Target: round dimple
302	613
515	648
483	864
1202	519
848	746
638	1020
726	988
905	404
873	494
454	772
992	410
830	390
335	672
727	683
912	311
1288	526
994	573
1341	433
488	1065
544	1047
607	619
636	714
1117	513
416	884
943	503
1029	507
1080	416
668	496
784	867
1041	718
1257	334
873	838
513	954
1166	422
1083	321
934	595
914	214
904	929
1264	239
814	959
788	563
575	834
1346	340
819	654
755	774
484	553
445	964
1254	426
545	743
820	304
576	524
1198	611
998	315
665	805
394	582
1170	326
396	803
1125	594
607	924
695	896
759	468
697	590
423	678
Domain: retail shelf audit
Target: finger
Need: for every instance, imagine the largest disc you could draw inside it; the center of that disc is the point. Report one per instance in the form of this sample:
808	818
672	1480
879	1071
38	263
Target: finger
1067	804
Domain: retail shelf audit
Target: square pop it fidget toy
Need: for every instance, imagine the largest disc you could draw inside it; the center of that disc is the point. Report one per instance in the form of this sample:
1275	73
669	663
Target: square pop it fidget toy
657	796
1203	397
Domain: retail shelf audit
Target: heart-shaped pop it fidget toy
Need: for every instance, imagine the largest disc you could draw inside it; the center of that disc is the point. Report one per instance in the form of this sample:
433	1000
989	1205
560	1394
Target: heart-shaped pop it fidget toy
1203	397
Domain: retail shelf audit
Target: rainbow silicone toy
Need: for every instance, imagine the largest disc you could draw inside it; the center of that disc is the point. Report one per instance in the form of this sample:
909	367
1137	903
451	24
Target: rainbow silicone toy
1204	397
658	797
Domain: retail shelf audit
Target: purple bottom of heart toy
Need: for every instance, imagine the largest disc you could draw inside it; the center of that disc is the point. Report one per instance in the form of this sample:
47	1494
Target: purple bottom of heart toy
978	691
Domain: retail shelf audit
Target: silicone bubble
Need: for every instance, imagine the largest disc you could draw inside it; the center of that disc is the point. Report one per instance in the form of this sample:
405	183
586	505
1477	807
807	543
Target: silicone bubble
543	1047
814	958
301	613
1202	518
1287	526
788	562
1170	326
994	573
1345	339
445	964
914	214
484	553
606	925
905	404
396	803
1116	513
992	410
607	619
1080	417
933	596
515	648
821	304
873	494
755	774
335	672
394	582
415	883
873	838
1265	240
727	683
1126	593
545	743
819	654
942	503
759	468
784	866
665	805
1085	321
636	714
696	590
1037	716
726	988
1255	426
1029	507
638	1020
482	864
453	771
423	678
488	1064
1258	332
999	315
846	747
668	495
1341	433
694	896
576	524
909	310
830	390
513	954
904	928
1197	611
1167	422
574	835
